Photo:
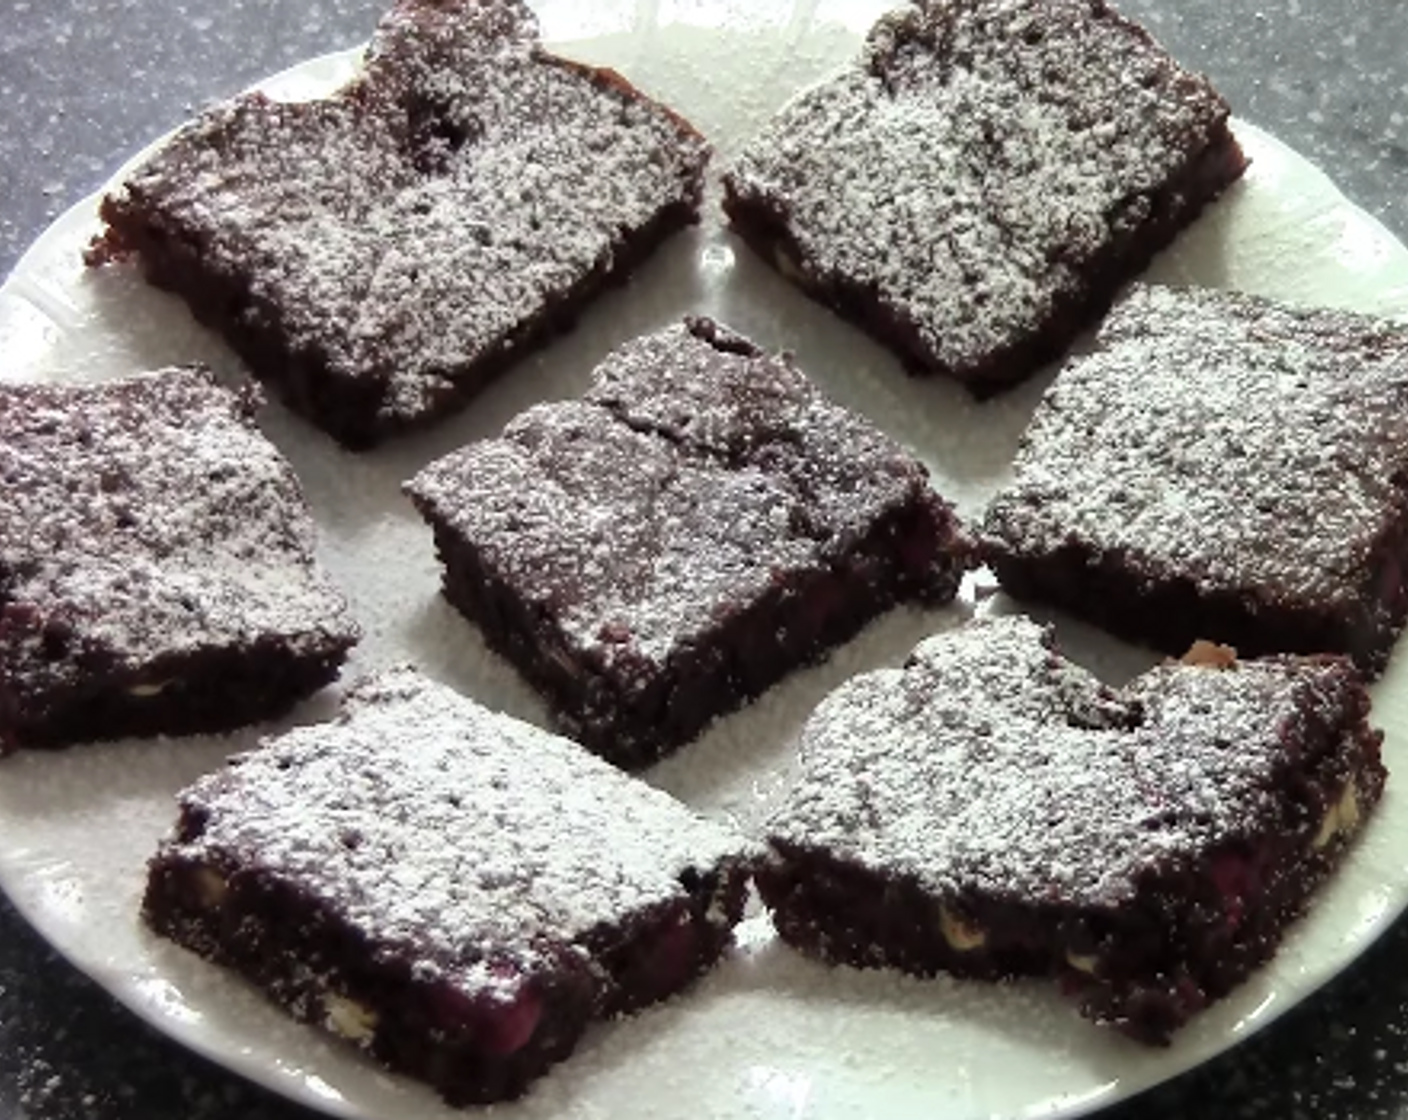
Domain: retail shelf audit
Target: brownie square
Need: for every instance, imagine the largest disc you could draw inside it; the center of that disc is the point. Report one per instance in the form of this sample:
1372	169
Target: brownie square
1220	467
977	186
991	810
456	892
377	256
700	524
157	570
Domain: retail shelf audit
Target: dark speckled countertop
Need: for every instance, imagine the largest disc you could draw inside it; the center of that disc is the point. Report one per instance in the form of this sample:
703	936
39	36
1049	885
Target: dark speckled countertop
83	83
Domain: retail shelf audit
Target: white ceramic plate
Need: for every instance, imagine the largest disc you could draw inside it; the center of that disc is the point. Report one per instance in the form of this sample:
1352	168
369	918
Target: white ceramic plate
768	1035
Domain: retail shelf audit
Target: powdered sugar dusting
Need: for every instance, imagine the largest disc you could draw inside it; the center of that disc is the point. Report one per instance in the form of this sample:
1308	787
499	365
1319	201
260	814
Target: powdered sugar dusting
780	1035
1244	445
410	227
427	821
145	518
695	471
990	763
971	166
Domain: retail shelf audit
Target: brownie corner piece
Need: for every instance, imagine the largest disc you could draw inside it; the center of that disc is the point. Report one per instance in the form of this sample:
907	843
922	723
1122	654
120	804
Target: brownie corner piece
378	255
1220	466
157	568
456	892
975	189
700	524
990	809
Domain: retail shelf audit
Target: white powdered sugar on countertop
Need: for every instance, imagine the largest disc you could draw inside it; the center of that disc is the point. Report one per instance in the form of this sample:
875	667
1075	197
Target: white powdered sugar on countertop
971	165
991	764
1242	445
429	822
147	518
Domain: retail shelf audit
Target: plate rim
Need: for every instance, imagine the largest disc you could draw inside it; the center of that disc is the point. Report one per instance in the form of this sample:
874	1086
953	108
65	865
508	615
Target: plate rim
213	1047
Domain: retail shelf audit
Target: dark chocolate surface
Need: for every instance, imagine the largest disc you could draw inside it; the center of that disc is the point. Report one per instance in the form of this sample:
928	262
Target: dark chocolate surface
420	904
378	255
159	564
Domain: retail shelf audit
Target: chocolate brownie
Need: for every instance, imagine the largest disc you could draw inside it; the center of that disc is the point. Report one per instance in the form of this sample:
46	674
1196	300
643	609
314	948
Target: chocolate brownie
378	255
157	571
455	891
700	524
990	809
1220	466
977	186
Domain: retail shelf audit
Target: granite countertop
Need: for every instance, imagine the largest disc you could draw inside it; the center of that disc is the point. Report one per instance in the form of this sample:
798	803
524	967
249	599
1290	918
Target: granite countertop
83	83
